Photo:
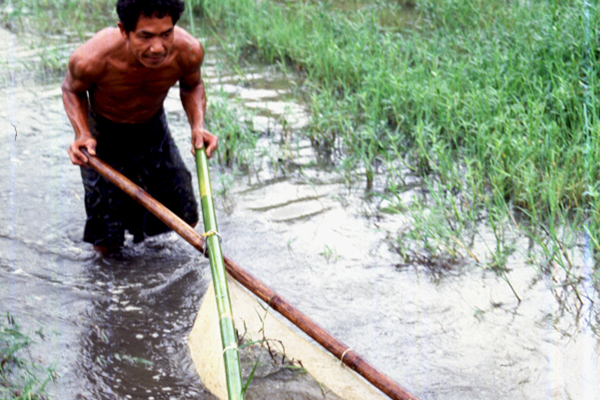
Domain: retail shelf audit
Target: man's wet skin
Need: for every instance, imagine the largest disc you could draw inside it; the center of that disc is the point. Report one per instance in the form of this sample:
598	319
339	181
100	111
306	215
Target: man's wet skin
124	77
111	250
128	76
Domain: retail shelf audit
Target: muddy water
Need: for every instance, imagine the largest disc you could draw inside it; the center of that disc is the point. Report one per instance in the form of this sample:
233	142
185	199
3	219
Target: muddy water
117	327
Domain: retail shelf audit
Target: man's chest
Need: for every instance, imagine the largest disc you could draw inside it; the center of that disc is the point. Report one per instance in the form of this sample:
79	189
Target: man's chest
130	83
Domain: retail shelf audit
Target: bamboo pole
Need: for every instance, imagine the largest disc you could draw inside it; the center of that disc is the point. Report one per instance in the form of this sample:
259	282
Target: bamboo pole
233	372
279	304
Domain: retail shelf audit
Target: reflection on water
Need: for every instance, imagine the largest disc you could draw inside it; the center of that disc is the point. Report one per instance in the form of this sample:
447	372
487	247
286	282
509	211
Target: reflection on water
117	327
134	344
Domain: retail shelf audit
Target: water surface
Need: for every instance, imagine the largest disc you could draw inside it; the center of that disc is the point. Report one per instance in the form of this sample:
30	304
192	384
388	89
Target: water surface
117	327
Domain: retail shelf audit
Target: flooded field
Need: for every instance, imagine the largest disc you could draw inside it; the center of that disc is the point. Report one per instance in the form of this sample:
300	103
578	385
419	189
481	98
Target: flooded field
117	328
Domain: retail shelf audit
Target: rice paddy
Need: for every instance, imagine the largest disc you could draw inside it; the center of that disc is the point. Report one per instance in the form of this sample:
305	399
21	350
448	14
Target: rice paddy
490	103
490	106
485	101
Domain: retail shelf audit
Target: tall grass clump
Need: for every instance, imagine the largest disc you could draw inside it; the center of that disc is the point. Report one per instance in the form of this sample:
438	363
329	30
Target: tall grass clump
237	138
484	99
20	377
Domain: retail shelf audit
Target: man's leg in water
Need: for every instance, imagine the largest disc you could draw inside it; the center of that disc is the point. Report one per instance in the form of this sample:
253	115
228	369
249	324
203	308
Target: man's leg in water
114	249
107	250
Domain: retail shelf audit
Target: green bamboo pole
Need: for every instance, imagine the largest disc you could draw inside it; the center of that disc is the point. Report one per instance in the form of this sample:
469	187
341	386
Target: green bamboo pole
278	303
213	243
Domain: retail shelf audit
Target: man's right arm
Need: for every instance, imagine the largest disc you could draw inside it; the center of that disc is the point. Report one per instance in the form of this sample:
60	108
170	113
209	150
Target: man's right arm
74	88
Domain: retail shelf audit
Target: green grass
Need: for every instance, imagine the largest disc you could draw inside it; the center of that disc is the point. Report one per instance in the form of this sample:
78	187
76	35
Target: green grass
483	99
80	17
20	377
237	138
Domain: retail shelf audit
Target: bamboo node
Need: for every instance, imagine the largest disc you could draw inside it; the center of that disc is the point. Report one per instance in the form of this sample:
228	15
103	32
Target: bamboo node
231	347
344	354
208	234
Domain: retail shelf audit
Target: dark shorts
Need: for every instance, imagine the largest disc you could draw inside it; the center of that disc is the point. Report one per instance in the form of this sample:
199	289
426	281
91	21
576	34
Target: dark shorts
146	154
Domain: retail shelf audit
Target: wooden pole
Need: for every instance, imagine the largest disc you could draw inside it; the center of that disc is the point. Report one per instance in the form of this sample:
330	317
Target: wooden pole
279	304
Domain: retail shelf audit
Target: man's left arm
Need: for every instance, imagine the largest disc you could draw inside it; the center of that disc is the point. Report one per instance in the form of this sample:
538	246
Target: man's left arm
193	99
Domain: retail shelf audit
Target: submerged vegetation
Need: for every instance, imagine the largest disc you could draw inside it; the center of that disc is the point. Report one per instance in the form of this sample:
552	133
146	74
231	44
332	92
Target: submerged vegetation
490	103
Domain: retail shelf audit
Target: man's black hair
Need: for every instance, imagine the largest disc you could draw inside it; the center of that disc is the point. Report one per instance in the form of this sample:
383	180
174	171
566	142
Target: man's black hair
130	10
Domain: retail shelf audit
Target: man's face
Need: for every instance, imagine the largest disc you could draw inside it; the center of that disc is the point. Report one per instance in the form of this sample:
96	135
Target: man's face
152	40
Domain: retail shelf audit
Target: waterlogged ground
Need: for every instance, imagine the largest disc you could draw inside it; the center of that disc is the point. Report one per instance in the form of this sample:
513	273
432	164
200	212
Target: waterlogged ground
117	327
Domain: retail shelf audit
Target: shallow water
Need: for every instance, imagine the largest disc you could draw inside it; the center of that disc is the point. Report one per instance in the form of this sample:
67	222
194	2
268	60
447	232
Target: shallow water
443	334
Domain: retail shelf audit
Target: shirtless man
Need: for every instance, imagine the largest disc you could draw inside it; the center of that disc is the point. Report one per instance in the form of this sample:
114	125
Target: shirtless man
113	94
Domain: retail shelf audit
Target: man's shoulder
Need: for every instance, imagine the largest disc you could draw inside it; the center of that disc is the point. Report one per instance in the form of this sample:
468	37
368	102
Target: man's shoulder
190	51
89	59
102	43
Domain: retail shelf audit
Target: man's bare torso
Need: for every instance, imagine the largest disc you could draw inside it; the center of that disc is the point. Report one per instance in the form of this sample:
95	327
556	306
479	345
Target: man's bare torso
125	91
126	76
